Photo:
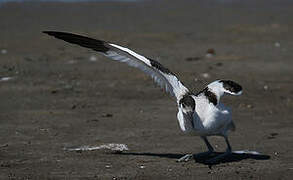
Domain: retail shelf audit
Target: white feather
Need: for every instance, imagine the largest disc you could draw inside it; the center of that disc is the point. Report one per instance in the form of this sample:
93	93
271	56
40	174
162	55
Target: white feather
169	82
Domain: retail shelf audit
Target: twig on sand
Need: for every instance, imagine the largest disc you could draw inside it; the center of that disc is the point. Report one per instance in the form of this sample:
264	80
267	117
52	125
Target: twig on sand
111	146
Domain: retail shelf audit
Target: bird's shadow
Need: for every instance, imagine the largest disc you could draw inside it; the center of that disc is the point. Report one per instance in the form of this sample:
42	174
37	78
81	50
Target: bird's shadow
233	157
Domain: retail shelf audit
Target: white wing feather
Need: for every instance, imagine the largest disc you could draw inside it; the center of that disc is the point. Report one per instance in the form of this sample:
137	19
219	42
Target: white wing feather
169	82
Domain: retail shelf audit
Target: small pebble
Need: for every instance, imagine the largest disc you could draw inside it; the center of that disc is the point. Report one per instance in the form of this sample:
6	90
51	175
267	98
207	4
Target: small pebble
93	120
210	53
272	135
141	166
249	106
93	58
71	62
54	91
3	145
205	75
5	78
266	87
219	64
108	166
277	44
107	115
4	51
193	59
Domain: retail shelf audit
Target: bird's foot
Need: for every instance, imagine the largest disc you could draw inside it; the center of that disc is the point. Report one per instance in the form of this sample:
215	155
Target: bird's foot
218	158
185	158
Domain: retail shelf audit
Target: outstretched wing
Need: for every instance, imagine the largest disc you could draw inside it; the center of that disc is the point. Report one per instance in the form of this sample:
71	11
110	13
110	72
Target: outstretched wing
162	76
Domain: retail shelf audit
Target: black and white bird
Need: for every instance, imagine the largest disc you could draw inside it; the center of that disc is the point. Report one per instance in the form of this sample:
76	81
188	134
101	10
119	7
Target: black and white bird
199	114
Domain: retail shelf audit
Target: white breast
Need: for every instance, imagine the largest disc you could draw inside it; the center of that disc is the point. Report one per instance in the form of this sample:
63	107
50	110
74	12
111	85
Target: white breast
215	119
208	119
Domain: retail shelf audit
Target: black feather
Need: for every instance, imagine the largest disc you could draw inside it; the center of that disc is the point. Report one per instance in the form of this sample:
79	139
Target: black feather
231	86
212	98
187	101
160	67
83	41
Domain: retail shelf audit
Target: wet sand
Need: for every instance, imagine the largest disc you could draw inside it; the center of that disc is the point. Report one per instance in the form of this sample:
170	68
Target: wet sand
65	96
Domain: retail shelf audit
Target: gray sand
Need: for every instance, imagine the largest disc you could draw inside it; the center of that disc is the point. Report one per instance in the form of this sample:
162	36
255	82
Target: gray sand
59	98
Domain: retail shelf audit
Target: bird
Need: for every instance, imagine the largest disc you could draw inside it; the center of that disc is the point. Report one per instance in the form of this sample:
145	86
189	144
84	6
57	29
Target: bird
199	114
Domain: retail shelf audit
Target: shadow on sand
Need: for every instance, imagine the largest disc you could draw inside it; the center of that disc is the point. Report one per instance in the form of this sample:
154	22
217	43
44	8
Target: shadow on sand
234	157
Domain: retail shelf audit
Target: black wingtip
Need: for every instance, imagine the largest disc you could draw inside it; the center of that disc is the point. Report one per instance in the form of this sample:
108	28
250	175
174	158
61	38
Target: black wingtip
58	33
83	41
49	32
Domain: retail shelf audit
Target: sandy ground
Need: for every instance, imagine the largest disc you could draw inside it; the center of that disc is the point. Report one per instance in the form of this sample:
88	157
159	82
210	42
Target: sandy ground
65	96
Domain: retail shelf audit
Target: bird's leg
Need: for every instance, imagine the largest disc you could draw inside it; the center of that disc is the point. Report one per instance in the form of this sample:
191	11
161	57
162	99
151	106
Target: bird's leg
188	157
210	148
222	156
